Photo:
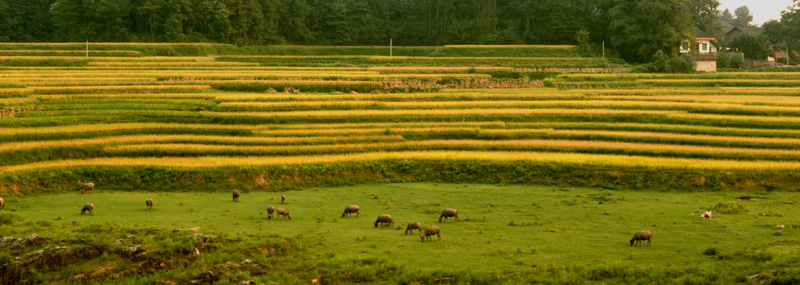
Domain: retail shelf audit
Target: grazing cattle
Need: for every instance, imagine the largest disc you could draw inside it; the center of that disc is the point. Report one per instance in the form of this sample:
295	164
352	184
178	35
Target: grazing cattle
88	207
149	203
284	213
640	236
283	199
87	187
236	195
2	204
350	209
414	226
449	213
270	210
429	231
384	219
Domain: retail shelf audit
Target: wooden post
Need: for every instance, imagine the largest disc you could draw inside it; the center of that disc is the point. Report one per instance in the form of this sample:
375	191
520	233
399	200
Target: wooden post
87	50
604	49
390	47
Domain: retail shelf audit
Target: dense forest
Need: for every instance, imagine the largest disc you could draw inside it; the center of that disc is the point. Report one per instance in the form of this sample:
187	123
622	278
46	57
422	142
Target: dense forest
624	24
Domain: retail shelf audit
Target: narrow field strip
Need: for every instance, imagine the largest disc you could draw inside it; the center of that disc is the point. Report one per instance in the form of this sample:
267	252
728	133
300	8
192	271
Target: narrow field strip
444	96
575	104
313	132
192	138
648	135
514	145
113	88
594	160
444	113
765	91
666	128
85	128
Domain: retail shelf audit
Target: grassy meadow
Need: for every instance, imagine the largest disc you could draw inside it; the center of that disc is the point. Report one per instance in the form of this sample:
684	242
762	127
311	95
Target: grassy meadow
513	228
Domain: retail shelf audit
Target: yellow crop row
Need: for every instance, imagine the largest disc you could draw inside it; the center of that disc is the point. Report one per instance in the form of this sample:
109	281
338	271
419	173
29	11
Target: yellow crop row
125	88
190	138
84	128
447	112
697	91
16	101
654	149
114	59
15	91
69	52
186	95
659	128
437	68
639	105
595	160
648	135
394	97
360	131
736	99
172	64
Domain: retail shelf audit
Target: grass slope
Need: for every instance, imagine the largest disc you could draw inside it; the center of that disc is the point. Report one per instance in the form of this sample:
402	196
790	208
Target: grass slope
502	228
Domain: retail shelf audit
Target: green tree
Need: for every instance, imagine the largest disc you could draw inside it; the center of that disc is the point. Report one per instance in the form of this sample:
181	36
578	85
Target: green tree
705	15
743	17
726	18
753	46
640	28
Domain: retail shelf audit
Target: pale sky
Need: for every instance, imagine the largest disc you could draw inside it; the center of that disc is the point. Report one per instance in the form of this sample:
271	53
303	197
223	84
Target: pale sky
762	10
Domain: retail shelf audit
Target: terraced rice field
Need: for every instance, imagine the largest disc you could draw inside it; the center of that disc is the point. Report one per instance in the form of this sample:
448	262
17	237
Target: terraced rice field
163	109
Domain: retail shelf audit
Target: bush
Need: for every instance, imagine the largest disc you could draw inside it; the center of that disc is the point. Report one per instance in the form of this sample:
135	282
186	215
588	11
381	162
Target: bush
733	207
664	64
731	60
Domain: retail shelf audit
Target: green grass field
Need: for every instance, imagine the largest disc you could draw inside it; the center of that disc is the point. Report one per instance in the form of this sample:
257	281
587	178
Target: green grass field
514	228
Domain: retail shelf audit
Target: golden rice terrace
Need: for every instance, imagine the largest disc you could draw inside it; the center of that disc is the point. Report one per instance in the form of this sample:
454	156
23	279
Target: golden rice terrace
337	119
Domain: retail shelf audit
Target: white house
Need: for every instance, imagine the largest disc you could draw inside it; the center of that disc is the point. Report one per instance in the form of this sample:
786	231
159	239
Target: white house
706	54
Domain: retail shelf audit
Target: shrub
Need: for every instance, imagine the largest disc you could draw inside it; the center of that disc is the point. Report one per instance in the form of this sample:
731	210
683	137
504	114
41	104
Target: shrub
731	60
664	64
733	207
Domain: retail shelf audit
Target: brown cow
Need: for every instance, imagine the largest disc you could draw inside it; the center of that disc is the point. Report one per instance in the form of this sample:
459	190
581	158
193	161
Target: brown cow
414	226
429	231
640	236
149	203
384	219
87	187
350	209
270	210
448	213
88	207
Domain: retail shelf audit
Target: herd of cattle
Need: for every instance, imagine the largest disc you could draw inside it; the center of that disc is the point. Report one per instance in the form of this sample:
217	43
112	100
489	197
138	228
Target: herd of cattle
427	232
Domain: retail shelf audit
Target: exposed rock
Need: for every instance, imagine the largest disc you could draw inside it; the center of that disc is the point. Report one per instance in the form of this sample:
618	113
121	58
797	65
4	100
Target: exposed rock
207	277
764	277
17	270
204	238
131	251
195	229
34	239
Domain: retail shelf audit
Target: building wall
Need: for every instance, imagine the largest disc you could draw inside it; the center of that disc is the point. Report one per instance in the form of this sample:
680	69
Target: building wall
707	66
711	47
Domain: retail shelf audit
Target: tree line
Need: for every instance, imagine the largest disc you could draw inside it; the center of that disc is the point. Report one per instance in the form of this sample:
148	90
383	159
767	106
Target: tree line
634	28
